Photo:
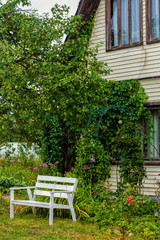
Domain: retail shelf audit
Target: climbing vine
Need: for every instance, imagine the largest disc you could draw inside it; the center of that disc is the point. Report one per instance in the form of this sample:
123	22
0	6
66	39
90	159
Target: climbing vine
118	128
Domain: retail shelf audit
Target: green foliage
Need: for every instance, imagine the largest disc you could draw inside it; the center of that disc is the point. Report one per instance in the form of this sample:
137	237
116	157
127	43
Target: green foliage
124	212
90	161
119	129
7	182
50	87
127	147
40	73
51	142
27	170
127	216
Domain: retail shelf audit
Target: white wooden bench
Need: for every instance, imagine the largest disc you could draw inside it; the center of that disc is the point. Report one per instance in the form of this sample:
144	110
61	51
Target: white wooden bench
49	186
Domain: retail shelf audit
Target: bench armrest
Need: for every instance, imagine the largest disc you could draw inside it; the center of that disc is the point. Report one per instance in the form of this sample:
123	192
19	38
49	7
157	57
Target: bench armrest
18	188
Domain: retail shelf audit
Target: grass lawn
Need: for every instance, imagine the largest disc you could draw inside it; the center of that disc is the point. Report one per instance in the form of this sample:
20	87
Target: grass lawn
28	226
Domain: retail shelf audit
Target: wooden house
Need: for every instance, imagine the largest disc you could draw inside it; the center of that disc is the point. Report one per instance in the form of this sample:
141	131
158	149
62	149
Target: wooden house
130	33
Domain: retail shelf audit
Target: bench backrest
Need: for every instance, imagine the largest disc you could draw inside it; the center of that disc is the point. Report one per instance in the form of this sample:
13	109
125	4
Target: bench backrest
45	184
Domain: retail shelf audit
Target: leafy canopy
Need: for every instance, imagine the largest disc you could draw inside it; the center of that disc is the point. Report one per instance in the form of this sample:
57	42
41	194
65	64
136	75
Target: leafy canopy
44	77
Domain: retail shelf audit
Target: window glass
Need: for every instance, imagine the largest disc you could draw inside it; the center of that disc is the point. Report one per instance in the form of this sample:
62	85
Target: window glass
124	22
135	21
155	18
154	145
114	24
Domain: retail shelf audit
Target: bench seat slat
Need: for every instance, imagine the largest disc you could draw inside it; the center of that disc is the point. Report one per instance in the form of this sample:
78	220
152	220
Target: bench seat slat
54	186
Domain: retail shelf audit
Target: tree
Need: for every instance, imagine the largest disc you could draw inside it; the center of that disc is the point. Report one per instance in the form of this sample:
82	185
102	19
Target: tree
48	86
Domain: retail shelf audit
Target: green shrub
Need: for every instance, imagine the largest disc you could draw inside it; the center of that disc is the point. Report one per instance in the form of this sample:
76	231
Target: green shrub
122	209
92	161
7	182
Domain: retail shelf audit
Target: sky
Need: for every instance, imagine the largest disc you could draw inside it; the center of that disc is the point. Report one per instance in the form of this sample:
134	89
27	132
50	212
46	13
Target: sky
45	5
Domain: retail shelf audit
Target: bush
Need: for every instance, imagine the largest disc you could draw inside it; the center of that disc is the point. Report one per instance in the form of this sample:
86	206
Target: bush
92	161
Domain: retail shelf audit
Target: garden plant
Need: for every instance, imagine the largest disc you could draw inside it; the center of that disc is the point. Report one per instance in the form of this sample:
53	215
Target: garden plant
49	89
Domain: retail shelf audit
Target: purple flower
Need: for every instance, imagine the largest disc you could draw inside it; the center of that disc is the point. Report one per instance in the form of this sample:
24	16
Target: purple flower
83	165
88	168
93	159
81	135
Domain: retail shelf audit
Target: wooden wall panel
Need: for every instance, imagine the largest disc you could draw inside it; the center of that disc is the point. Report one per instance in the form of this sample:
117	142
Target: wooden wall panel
131	63
149	184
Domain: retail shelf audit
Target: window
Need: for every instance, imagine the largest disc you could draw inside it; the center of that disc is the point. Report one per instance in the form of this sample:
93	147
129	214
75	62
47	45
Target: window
153	20
123	23
152	149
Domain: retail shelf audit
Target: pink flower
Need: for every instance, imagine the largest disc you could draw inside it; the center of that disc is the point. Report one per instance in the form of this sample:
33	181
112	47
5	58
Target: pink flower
51	165
19	161
57	162
30	168
58	173
6	162
1	164
45	165
14	160
35	168
122	137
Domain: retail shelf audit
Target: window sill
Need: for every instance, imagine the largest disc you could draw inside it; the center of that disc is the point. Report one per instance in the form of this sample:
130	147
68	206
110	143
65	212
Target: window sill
124	47
147	162
153	41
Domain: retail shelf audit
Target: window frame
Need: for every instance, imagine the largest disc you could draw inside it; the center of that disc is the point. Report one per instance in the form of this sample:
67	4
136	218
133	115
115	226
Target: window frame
109	47
149	38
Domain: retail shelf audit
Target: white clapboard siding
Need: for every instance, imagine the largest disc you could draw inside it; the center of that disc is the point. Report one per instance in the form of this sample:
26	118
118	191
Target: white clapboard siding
149	184
131	63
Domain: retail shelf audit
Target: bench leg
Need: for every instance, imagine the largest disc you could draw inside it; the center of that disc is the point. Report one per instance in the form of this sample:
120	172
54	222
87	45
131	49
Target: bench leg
11	210
34	210
51	216
71	208
11	205
73	214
